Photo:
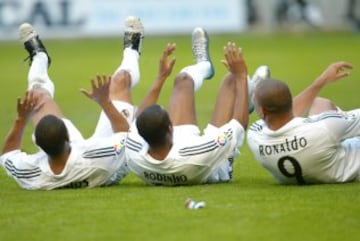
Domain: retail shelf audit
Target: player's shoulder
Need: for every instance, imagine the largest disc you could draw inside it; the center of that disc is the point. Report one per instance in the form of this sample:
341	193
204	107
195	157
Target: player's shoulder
235	124
326	121
21	166
257	126
134	142
329	115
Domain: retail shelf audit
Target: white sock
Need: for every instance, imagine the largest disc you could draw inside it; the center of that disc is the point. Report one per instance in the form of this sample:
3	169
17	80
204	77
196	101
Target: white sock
38	74
130	63
198	72
251	86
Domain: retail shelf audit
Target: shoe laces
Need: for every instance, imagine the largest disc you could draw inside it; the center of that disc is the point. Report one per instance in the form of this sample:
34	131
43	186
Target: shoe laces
199	49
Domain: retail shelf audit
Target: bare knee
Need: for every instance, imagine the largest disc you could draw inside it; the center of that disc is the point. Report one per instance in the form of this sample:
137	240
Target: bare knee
41	95
183	80
321	105
45	105
120	86
121	80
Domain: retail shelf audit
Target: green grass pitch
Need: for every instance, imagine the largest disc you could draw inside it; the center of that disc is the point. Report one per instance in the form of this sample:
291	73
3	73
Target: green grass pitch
252	207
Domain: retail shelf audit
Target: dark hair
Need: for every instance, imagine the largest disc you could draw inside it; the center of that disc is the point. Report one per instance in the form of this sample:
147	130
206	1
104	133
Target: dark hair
51	135
153	125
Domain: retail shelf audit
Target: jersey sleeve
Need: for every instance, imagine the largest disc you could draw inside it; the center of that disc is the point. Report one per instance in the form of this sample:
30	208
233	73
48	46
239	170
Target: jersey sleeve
21	167
343	125
135	144
232	131
215	146
96	148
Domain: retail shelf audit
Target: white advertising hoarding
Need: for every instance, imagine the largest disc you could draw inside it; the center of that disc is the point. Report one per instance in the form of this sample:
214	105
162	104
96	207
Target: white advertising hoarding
79	18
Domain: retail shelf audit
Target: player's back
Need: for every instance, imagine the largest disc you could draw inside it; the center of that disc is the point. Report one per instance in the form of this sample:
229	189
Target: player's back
301	152
191	160
176	169
90	164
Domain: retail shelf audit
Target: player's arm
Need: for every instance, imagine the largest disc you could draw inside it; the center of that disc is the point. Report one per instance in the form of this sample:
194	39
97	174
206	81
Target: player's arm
25	109
332	73
165	69
100	94
235	63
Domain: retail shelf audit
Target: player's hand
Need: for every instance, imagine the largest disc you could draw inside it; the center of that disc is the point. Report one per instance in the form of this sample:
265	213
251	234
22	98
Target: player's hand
100	89
334	72
26	106
166	66
234	60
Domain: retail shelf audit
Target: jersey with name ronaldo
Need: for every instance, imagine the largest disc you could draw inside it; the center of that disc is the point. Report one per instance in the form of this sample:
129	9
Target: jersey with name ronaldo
320	149
189	162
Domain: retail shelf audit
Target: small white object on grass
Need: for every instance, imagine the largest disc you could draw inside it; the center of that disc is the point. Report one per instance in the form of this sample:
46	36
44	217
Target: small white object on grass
191	204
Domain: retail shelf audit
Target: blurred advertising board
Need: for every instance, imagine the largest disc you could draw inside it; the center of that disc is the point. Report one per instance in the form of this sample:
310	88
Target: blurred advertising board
96	18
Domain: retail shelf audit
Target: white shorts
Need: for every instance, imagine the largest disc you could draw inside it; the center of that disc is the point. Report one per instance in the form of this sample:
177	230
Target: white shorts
74	133
103	127
184	132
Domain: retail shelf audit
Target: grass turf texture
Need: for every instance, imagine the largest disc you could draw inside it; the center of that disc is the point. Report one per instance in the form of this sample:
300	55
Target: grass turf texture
252	207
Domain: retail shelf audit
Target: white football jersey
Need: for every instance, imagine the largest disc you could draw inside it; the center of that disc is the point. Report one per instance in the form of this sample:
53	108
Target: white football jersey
320	149
91	163
191	160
